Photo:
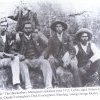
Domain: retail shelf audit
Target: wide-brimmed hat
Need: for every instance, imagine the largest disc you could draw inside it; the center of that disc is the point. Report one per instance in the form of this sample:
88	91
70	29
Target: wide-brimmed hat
53	25
84	30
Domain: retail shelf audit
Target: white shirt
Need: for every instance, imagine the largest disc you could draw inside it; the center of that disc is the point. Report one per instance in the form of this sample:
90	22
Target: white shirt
95	50
60	36
28	37
84	47
3	38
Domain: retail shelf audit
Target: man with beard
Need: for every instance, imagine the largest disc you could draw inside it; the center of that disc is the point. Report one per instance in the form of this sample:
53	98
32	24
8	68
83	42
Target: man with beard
88	55
58	45
8	60
30	45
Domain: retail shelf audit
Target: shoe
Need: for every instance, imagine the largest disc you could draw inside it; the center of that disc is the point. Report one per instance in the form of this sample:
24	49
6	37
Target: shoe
48	87
56	86
28	88
17	87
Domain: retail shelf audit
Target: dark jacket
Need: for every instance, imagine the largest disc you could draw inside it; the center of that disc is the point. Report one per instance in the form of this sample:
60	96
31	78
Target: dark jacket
57	48
11	46
4	46
82	56
39	44
1	45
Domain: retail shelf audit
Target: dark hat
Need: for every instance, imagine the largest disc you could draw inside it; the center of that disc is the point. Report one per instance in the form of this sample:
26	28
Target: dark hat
64	25
84	30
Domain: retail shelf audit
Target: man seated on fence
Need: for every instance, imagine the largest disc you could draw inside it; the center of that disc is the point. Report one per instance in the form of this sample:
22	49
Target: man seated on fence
59	43
25	14
12	47
88	55
8	60
30	45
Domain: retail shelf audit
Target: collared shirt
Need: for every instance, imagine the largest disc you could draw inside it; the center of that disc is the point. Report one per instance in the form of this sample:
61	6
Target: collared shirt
3	38
60	36
84	47
95	50
27	37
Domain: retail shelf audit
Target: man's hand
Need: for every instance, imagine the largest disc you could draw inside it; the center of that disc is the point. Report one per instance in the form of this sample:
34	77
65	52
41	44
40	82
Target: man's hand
36	30
8	55
1	55
21	57
88	65
71	56
41	57
65	64
66	59
82	71
53	59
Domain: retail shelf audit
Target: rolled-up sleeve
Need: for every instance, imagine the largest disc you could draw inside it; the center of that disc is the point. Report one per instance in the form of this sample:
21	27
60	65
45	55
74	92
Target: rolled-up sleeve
96	52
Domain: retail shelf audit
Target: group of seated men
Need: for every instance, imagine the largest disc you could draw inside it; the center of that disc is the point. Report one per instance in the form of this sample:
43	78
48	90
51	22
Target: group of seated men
29	48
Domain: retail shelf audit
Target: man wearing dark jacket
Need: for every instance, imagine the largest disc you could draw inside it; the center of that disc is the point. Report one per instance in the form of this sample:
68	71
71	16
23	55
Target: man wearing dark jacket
12	47
30	45
58	45
6	59
9	56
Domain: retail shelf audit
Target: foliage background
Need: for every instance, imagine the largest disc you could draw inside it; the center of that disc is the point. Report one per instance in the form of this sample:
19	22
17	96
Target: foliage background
47	13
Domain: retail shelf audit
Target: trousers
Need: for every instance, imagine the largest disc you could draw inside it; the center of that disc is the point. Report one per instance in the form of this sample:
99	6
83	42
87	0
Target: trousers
14	64
45	67
85	73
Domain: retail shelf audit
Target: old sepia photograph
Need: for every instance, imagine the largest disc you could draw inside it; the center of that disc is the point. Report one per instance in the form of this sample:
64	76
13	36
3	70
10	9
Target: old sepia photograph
49	44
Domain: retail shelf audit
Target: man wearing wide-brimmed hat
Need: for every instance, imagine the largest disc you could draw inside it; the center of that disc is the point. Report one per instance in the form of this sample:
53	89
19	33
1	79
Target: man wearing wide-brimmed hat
59	43
87	53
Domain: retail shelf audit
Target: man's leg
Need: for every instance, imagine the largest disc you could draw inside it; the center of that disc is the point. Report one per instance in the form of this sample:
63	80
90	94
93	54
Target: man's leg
46	69
47	73
15	70
54	67
95	67
75	71
14	64
65	77
25	75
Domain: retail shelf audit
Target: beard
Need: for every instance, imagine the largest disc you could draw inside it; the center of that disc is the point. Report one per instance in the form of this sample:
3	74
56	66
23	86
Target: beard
84	42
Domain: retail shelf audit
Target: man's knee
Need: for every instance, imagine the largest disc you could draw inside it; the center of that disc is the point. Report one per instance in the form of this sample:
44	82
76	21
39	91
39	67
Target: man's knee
45	61
5	62
40	61
52	60
26	61
60	71
23	67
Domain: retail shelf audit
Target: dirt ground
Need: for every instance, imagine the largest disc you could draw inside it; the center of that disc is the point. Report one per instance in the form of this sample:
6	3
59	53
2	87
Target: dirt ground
37	79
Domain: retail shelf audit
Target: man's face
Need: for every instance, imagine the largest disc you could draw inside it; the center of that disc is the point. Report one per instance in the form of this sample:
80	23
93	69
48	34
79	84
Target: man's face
84	38
25	11
59	28
28	29
3	27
